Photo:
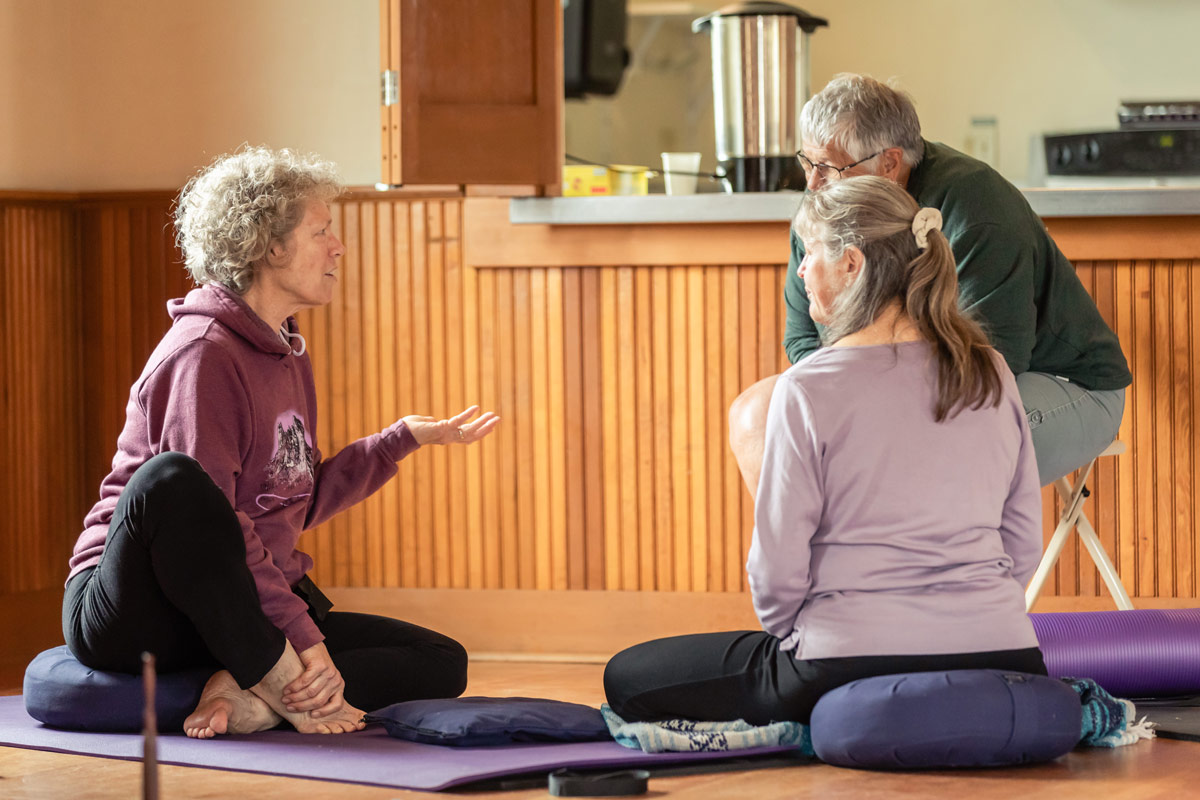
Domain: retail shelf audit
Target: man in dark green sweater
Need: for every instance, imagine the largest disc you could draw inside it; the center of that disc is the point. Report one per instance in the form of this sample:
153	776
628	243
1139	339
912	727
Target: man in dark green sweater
1012	277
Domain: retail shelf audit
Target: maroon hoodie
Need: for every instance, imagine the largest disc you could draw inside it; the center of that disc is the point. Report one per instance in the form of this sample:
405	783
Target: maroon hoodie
226	390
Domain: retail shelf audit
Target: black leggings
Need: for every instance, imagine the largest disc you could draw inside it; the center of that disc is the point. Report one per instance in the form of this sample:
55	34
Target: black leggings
744	675
173	581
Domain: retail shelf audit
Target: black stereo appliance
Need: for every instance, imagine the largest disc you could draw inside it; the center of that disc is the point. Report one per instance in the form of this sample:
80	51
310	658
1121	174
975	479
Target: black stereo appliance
1156	138
1162	151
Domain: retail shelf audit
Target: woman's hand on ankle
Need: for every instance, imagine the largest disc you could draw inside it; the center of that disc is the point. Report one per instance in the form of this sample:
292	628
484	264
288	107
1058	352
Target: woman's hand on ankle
319	688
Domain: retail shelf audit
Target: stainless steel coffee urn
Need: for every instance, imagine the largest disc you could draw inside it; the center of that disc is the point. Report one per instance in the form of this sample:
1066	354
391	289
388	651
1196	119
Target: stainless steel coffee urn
760	82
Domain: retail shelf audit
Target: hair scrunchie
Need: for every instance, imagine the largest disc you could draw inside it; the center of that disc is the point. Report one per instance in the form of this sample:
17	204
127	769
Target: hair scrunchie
926	220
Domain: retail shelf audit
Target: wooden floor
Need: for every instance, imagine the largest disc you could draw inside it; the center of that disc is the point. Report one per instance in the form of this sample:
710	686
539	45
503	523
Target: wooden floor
1160	768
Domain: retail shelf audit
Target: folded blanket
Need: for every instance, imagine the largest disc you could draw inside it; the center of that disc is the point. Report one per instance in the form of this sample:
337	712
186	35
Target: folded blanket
1108	721
682	735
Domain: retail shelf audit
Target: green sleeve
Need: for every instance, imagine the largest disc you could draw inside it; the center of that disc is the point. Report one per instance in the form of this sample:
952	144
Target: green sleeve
800	335
995	286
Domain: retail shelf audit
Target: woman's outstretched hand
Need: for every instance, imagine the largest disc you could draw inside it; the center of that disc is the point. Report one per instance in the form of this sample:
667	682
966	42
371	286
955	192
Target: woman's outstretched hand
319	688
459	429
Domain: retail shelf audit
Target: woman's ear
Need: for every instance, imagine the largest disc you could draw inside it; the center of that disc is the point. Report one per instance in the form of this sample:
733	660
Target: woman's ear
277	253
854	260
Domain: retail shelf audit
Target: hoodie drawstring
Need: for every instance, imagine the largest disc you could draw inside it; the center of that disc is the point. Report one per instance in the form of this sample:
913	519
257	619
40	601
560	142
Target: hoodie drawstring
286	335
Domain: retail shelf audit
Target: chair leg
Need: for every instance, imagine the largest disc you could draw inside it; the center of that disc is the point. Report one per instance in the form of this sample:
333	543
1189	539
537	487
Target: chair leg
1054	548
1072	509
1073	518
1107	571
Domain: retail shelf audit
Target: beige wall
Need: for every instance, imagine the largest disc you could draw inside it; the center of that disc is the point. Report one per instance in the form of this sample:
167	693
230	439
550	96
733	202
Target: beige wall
1036	65
135	94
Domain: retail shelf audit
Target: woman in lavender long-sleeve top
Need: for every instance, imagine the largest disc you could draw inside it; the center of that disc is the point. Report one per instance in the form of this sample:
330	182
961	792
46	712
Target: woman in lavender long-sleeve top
191	551
898	515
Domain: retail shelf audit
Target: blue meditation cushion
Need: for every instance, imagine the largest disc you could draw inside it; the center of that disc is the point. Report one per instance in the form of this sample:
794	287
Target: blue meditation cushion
61	692
958	718
485	721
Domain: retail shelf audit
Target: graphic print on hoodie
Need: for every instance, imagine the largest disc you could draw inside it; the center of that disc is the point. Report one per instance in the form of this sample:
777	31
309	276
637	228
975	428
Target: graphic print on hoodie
290	471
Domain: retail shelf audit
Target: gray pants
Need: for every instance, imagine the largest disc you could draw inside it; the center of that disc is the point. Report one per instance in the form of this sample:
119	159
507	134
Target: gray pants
1070	425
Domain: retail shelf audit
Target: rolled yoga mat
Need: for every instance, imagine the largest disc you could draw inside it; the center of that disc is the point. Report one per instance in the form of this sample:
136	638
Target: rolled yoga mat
1138	653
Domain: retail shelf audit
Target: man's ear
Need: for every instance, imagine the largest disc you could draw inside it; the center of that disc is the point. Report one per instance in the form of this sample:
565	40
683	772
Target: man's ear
891	164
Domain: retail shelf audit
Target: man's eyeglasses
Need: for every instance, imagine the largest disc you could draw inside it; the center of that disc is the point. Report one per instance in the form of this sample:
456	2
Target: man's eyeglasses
828	172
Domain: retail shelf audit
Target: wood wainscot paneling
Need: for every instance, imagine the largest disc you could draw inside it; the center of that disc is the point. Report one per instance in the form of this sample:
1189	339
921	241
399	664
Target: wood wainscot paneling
41	410
612	361
612	354
84	286
610	469
128	270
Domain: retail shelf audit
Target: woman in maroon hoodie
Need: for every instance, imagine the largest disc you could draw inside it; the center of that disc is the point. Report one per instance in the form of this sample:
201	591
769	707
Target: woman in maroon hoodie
190	552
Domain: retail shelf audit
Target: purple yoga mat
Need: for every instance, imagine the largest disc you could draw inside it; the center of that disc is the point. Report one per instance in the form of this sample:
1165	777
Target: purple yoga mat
370	757
1138	653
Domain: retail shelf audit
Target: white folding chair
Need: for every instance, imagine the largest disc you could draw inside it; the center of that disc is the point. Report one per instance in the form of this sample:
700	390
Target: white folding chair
1073	518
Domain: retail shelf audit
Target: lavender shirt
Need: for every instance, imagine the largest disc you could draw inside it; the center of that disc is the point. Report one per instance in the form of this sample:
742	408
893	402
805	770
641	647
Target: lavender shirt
879	531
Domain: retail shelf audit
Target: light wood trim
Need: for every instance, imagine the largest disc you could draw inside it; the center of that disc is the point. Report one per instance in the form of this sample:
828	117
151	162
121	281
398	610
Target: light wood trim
643	411
439	499
556	487
493	241
523	621
539	430
590	548
627	426
502	244
593	625
609	387
1101	238
389	59
376	194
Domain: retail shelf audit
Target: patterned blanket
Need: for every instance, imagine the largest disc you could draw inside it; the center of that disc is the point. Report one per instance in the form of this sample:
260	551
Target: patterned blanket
1107	722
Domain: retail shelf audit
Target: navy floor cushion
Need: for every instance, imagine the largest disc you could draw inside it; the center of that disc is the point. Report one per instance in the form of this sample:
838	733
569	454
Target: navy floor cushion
61	692
488	721
958	718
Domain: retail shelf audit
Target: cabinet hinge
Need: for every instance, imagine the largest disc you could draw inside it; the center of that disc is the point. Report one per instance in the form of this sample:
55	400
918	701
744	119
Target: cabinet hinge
390	86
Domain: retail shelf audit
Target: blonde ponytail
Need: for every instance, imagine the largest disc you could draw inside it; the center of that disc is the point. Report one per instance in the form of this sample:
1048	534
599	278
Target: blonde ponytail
877	216
967	374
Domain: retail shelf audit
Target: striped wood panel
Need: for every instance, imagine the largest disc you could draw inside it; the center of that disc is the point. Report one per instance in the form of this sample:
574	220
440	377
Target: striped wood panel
128	269
1143	501
42	485
611	469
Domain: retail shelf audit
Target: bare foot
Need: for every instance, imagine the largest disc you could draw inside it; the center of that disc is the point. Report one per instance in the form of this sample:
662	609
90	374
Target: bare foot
270	691
348	720
225	708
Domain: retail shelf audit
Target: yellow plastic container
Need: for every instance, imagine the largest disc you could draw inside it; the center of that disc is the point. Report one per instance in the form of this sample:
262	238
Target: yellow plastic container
585	180
629	179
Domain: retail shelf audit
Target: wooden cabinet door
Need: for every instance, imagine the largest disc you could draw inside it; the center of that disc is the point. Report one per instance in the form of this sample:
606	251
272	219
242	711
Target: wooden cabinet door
480	88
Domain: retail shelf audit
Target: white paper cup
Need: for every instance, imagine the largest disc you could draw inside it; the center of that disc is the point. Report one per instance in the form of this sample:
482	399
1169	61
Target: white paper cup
679	172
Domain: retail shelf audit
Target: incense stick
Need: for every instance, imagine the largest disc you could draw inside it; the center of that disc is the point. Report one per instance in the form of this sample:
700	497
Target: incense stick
149	731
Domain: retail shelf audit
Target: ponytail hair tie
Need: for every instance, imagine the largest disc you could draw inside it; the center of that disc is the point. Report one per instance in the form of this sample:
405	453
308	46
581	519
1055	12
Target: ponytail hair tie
926	220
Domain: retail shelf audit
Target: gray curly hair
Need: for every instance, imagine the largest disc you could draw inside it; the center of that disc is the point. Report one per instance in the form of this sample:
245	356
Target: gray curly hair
862	116
228	215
